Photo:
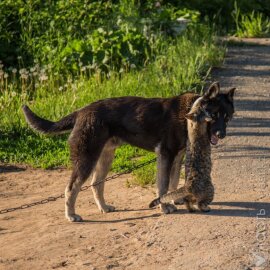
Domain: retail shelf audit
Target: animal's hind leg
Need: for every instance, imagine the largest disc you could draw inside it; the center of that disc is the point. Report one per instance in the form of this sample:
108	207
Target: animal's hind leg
188	201
81	171
204	206
101	170
84	155
71	193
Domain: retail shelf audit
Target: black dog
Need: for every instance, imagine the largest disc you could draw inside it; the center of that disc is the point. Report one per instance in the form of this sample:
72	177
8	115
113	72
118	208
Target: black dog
155	124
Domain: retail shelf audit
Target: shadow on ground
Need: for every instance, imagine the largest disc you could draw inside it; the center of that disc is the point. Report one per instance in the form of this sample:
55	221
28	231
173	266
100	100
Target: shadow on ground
249	126
243	151
236	209
10	168
123	219
247	209
242	209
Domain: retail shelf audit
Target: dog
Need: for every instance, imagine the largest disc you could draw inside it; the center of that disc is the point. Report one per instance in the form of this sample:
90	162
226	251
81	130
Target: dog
198	186
154	124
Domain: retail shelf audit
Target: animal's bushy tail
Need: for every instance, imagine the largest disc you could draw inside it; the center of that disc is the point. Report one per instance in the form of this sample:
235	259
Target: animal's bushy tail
48	127
154	203
178	194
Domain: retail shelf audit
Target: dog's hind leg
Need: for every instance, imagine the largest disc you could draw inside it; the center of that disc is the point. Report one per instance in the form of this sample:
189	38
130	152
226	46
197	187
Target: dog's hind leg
71	193
82	168
101	170
85	150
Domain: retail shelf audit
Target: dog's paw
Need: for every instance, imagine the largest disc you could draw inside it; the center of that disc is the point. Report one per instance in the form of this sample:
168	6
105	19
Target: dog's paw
74	218
107	208
167	208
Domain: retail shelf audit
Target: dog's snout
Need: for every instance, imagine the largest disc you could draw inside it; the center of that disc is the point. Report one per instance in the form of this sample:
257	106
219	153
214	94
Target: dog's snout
220	134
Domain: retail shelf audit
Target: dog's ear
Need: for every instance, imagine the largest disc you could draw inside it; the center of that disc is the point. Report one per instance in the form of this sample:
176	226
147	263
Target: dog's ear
212	91
230	94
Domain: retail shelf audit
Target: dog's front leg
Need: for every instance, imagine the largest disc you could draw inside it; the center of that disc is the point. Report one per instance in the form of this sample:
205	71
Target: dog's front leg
175	173
176	170
164	166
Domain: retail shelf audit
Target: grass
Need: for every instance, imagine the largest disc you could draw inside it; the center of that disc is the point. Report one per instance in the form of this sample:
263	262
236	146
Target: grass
251	25
177	68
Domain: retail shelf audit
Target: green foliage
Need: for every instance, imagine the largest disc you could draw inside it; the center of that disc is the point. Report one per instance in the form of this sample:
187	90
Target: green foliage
254	24
219	12
108	35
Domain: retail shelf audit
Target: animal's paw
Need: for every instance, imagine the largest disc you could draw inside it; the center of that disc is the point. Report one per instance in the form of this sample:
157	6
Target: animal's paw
179	202
74	218
191	209
204	208
168	208
107	208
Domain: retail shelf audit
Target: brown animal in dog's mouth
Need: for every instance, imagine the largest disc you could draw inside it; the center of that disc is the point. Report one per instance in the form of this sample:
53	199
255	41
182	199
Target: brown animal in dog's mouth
154	124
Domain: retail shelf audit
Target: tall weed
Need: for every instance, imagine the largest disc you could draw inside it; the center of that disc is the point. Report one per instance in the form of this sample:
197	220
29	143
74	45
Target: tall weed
251	25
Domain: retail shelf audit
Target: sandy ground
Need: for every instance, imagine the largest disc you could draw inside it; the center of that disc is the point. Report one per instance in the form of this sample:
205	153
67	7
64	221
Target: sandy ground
234	235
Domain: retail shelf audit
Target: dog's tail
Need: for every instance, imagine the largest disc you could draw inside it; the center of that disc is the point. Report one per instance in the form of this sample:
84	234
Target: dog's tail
178	194
48	127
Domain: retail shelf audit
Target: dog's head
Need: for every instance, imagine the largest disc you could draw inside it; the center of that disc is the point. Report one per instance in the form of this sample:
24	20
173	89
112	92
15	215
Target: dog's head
216	108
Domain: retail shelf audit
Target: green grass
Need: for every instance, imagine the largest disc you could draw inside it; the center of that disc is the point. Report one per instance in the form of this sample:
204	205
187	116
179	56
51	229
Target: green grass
178	68
251	25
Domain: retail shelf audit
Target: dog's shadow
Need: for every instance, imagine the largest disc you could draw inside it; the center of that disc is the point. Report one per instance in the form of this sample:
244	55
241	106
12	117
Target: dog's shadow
123	219
236	209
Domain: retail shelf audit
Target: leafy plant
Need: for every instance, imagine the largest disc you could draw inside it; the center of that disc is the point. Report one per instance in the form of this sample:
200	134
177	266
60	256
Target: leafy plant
112	35
254	24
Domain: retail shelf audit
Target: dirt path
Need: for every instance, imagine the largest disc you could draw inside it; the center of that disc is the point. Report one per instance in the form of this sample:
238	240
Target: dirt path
232	236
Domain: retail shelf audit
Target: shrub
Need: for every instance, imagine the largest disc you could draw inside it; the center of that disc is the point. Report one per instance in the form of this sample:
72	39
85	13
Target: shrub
254	24
108	34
